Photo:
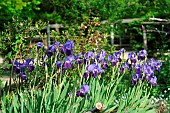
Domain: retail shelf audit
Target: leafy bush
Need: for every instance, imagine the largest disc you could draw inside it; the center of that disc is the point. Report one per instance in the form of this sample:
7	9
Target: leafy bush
163	89
16	37
87	36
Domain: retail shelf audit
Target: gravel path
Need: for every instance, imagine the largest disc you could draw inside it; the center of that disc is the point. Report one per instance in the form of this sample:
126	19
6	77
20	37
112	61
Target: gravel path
1	60
5	79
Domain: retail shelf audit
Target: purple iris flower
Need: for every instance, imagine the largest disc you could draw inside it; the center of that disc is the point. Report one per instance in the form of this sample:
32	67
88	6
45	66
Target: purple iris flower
132	57
101	55
19	67
148	70
49	53
114	62
156	64
39	45
16	66
15	63
91	67
122	69
122	50
84	89
138	68
79	61
68	47
22	66
52	48
30	64
152	81
94	69
79	58
62	49
142	54
71	58
58	64
17	70
68	62
105	64
57	44
112	59
68	52
135	78
124	66
23	76
89	55
117	56
95	73
30	67
86	74
29	61
148	77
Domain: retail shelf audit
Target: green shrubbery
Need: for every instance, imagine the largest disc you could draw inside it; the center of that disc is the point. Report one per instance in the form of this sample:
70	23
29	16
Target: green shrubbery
50	79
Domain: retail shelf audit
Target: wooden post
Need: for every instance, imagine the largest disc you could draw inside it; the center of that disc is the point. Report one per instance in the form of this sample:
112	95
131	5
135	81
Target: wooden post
112	35
120	41
144	37
48	34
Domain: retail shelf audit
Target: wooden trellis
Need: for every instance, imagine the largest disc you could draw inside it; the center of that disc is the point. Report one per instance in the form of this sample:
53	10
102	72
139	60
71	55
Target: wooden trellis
144	30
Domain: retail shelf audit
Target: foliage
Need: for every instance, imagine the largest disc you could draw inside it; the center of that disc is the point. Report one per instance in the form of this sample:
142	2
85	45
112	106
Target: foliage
164	78
17	37
57	73
162	91
79	11
134	97
88	36
48	79
20	8
76	11
55	98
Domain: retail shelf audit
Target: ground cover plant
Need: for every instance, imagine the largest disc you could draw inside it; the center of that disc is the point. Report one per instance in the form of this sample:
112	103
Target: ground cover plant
54	79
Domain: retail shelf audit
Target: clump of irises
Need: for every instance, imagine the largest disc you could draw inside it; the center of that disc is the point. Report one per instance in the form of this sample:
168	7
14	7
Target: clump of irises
20	67
141	68
95	62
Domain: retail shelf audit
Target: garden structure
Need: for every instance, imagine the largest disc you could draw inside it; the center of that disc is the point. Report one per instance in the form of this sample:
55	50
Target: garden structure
123	39
143	26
